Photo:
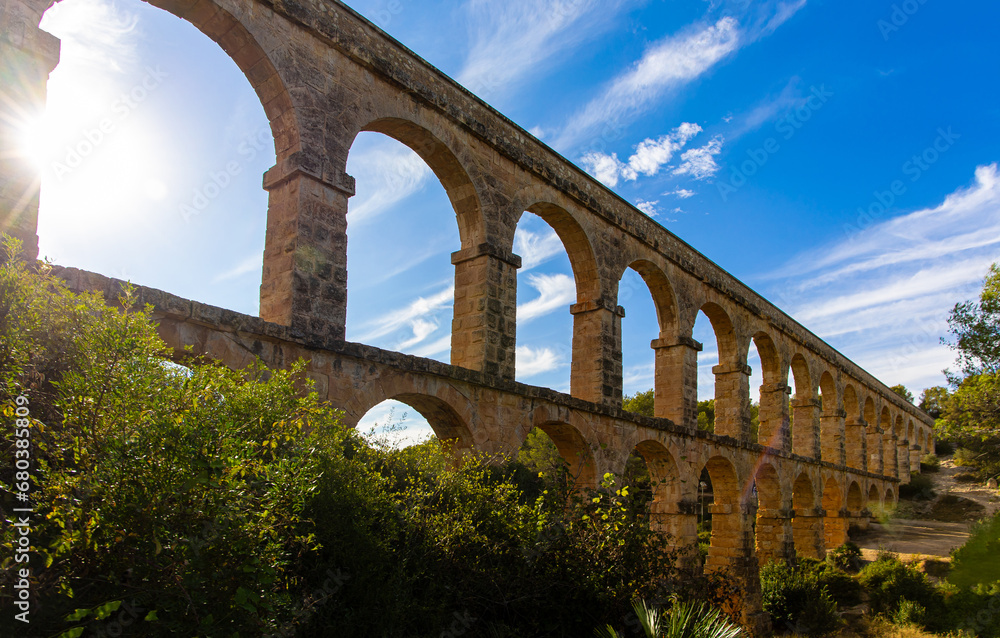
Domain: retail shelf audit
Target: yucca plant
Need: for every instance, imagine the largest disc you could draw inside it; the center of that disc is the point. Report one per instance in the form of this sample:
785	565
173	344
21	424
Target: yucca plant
685	620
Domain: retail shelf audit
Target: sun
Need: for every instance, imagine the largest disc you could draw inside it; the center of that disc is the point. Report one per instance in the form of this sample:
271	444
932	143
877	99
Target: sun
36	141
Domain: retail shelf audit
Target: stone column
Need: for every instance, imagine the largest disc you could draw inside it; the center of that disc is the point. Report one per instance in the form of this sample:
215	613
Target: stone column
775	541
27	56
483	331
729	543
305	250
874	449
597	352
807	529
732	400
680	521
890	465
805	427
832	431
903	460
835	526
675	394
915	454
856	445
774	427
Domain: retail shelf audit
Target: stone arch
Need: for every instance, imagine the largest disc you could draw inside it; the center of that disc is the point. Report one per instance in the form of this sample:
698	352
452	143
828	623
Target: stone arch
773	406
874	500
834	522
773	531
807	522
869	411
890	465
832	423
449	413
572	447
665	510
890	497
446	166
874	438
855	500
727	522
662	292
578	247
854	430
732	382
805	410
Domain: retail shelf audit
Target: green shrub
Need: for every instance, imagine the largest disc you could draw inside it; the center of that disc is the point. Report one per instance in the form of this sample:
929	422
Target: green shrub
978	560
796	601
846	557
233	503
930	462
964	457
920	488
888	582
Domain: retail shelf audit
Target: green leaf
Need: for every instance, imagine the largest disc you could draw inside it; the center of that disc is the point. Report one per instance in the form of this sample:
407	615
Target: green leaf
105	610
75	632
79	614
151	616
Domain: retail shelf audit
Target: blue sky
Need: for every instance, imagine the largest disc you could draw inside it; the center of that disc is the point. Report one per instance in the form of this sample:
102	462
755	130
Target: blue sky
838	157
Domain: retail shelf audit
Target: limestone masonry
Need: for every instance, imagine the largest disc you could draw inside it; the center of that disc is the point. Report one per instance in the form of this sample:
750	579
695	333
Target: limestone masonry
324	74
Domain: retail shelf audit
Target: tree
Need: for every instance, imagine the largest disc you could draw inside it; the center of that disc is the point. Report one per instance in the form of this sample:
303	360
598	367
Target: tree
976	327
901	390
640	403
706	415
933	400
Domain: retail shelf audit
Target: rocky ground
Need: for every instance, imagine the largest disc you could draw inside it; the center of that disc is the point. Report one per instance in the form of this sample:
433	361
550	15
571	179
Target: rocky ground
930	528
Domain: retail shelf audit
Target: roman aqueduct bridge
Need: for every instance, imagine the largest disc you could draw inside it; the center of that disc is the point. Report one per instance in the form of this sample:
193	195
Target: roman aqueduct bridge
324	74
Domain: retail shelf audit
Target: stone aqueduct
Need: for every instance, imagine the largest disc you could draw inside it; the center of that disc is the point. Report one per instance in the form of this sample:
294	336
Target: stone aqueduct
324	74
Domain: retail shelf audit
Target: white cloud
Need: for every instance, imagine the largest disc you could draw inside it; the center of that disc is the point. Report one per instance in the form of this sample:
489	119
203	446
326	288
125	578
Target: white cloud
433	348
422	328
647	207
510	40
673	61
882	295
395	423
699	163
682	193
413	316
533	361
554	292
536	248
650	155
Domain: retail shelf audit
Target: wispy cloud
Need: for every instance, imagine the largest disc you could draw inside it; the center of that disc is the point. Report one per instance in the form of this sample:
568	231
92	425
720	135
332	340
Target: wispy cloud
670	62
681	193
673	62
536	248
699	162
510	40
414	316
554	292
534	361
650	155
882	295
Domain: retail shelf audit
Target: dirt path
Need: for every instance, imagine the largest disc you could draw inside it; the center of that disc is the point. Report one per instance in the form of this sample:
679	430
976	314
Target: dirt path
915	538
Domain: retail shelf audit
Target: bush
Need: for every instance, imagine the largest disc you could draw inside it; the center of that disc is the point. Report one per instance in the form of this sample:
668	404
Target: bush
796	601
920	488
846	557
978	560
889	582
964	457
232	502
930	463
